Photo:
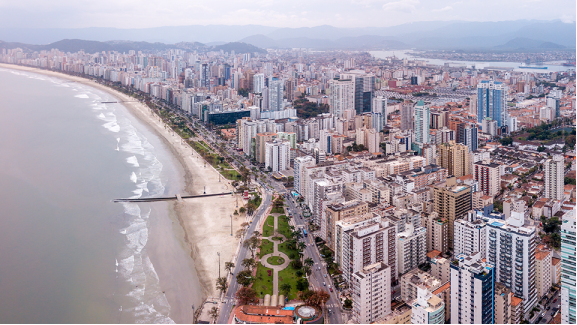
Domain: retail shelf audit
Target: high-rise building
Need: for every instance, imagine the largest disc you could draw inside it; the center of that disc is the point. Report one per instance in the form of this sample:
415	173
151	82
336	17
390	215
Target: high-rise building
277	156
470	237
367	244
554	177
437	233
371	293
489	177
300	163
411	248
503	304
543	282
407	115
204	75
492	101
568	279
427	309
511	249
275	94
417	279
261	140
380	106
471	139
455	157
472	291
421	123
341	97
258	83
340	211
451	202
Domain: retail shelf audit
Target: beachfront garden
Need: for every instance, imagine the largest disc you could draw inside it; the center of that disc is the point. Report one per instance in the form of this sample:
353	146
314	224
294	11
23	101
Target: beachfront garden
268	227
217	161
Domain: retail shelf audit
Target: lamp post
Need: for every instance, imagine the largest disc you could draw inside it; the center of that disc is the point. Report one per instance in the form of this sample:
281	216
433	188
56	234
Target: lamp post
231	224
218	253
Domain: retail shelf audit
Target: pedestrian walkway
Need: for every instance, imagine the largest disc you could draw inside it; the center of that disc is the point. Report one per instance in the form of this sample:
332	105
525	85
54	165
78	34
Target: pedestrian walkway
264	260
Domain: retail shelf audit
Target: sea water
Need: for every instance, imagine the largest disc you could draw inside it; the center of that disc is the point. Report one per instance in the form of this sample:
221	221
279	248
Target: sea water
68	254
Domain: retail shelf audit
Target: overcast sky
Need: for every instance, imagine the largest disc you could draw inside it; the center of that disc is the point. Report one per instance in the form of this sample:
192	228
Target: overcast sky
295	13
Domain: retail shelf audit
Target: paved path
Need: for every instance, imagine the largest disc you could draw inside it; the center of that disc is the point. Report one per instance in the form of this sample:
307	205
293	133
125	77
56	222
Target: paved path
276	252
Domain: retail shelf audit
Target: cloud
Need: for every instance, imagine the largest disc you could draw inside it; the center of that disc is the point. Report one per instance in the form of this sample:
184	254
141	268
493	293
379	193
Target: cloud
406	6
447	8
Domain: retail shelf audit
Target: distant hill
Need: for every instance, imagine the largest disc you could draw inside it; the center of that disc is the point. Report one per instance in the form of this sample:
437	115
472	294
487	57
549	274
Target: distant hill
447	35
527	43
75	45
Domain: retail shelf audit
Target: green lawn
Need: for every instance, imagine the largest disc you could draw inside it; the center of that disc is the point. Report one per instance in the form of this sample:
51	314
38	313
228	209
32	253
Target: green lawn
283	226
288	275
266	247
263	283
289	252
268	227
277	210
275	260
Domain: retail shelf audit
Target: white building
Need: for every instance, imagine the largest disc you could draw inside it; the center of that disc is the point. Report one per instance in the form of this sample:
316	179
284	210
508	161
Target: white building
277	156
469	237
300	163
489	177
258	83
511	249
411	248
568	280
371	293
421	122
472	291
341	97
554	176
427	308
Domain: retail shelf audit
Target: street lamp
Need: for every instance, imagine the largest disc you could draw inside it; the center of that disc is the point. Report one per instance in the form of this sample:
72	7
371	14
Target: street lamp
218	253
231	224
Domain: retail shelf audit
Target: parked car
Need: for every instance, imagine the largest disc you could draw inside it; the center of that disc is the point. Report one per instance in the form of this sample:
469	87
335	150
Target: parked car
554	301
331	289
324	284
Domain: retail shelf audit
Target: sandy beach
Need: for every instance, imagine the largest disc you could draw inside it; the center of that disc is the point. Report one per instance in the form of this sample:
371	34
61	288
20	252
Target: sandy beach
202	226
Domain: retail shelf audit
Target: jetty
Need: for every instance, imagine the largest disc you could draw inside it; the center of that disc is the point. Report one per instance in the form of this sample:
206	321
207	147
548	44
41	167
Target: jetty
169	198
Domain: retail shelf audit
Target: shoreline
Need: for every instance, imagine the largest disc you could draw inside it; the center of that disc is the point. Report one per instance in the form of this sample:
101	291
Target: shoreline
205	223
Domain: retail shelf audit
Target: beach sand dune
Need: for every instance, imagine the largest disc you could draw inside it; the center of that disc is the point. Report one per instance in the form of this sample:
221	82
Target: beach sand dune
205	224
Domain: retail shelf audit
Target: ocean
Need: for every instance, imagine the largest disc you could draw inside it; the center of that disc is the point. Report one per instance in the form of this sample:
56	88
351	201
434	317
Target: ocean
69	254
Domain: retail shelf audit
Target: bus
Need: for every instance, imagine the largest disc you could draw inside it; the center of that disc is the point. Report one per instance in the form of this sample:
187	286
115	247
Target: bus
304	232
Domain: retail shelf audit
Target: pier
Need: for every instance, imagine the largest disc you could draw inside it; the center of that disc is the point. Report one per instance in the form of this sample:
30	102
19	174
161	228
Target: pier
169	198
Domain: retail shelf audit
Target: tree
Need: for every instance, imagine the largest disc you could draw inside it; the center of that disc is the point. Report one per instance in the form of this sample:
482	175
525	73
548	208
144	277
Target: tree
507	141
229	266
570	141
318	299
285	288
541	148
248	263
242	210
244	278
309	262
307	270
252	244
221	284
213	313
296	264
246	296
569	180
235	213
348	303
302	284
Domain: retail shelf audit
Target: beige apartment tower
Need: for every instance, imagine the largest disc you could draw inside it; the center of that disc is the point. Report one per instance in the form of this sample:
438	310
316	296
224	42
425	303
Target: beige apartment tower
451	202
455	157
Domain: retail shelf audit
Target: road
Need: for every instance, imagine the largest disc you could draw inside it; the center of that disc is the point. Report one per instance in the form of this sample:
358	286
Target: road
549	314
229	300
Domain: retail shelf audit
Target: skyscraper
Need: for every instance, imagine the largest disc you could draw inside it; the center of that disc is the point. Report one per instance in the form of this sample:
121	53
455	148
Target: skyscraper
455	157
451	201
554	177
406	116
471	139
472	290
568	280
258	83
275	95
342	96
492	101
371	293
421	119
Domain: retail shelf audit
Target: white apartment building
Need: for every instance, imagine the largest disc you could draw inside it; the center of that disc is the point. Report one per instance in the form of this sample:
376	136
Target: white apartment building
511	249
342	96
568	262
300	163
411	248
427	308
277	155
470	237
366	244
371	293
543	265
554	176
472	291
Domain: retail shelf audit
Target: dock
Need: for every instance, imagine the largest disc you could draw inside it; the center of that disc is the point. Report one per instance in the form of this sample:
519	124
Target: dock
170	198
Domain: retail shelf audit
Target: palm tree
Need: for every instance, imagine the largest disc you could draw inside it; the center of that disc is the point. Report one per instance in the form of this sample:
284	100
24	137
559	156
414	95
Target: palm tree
248	263
221	284
307	270
213	313
285	288
229	266
309	262
302	246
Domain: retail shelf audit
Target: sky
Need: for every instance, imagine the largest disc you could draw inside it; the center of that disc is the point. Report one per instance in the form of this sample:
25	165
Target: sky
294	13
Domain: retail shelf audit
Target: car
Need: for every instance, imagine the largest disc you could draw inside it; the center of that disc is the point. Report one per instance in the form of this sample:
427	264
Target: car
319	268
543	315
539	319
331	289
554	301
325	275
324	284
548	307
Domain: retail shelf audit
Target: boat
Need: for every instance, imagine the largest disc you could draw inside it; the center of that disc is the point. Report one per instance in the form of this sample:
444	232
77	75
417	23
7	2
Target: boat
568	64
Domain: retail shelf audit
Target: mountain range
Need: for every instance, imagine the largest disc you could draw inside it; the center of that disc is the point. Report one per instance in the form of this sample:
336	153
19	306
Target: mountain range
461	35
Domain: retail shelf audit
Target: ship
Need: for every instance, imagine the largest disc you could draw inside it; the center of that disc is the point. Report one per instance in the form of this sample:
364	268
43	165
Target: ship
569	64
530	67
